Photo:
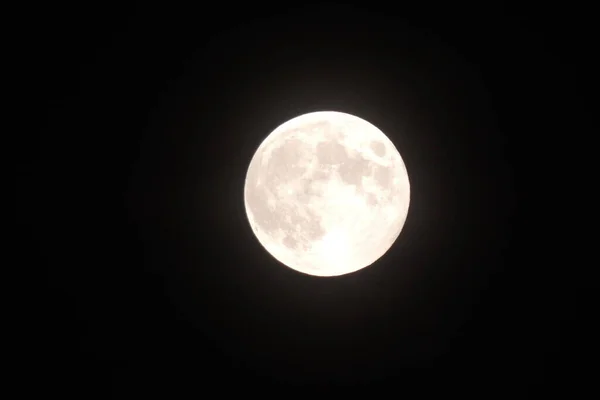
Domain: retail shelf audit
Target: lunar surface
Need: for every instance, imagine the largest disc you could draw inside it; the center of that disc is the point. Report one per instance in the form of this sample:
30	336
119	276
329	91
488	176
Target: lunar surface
327	193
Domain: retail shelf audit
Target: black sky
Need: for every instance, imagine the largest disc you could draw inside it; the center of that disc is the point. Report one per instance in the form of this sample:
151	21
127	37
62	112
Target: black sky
134	199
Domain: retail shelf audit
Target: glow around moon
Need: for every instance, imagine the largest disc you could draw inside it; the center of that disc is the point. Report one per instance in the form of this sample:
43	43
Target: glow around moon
327	193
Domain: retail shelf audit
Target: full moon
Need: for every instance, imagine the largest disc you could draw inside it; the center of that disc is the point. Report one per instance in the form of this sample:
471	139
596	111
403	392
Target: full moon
327	193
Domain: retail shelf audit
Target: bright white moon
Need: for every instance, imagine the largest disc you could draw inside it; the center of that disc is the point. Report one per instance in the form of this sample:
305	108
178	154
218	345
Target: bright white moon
327	193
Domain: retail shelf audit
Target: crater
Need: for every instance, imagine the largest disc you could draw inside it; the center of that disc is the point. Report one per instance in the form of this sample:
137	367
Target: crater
378	148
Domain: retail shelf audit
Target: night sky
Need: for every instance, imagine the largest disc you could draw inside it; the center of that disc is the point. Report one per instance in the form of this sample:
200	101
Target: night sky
132	198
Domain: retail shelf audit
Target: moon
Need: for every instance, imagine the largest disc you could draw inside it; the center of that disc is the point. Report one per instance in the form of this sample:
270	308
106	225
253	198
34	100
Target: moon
327	193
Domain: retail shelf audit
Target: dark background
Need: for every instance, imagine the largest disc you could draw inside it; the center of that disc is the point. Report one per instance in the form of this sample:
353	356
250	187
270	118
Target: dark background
132	200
